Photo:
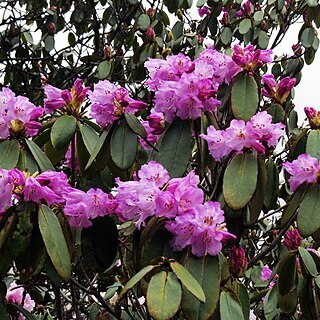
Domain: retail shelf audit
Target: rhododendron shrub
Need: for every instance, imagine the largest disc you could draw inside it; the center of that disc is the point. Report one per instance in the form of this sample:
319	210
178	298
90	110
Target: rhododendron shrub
168	177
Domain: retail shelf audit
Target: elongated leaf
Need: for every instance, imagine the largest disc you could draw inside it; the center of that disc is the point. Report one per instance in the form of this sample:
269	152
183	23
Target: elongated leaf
287	274
288	303
206	271
27	162
135	279
9	153
135	125
40	157
99	145
99	244
244	97
54	241
308	262
240	180
124	145
163	295
188	280
313	144
55	156
89	136
176	146
244	300
230	309
62	131
3	311
308	219
9	226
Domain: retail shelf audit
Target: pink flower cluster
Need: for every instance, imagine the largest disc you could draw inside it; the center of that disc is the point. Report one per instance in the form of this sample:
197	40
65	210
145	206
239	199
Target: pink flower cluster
65	99
204	11
180	201
259	130
18	115
16	295
304	169
277	92
248	58
292	239
184	88
109	102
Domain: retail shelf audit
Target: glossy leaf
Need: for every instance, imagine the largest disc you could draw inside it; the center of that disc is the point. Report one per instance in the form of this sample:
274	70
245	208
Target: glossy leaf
135	125
135	279
163	295
39	156
272	186
244	97
244	300
206	271
308	262
288	303
62	131
238	192
123	146
27	162
188	280
99	244
144	22
230	309
89	137
308	219
313	144
54	241
287	274
9	153
176	146
307	37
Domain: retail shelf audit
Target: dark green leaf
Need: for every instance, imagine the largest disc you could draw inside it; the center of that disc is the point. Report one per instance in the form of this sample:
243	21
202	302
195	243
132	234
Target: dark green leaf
123	146
39	156
62	131
54	241
135	279
287	274
89	137
25	312
308	219
230	309
307	37
240	180
9	154
99	244
288	303
135	125
176	146
206	271
163	295
308	262
188	280
244	300
244	97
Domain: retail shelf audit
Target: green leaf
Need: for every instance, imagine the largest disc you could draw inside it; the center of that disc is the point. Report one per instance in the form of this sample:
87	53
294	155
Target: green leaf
200	3
25	312
71	39
272	186
288	303
26	162
270	302
287	274
206	271
143	22
104	69
226	35
99	244
230	309
89	137
55	156
244	300
3	311
308	219
188	280
39	156
99	145
294	203
163	295
244	97
313	144
123	146
312	3
62	131
54	241
244	26
176	147
9	226
307	37
263	40
258	16
9	154
135	125
240	180
135	279
308	262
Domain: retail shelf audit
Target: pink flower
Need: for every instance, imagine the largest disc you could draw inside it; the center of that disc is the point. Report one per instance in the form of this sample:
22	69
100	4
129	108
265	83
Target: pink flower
6	187
16	295
154	173
16	177
204	11
248	58
156	122
151	35
313	117
292	239
304	169
266	273
277	91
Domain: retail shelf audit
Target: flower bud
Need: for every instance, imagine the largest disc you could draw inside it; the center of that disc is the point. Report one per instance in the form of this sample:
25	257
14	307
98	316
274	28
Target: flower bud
313	117
16	126
107	52
151	35
151	13
292	239
165	52
238	261
297	49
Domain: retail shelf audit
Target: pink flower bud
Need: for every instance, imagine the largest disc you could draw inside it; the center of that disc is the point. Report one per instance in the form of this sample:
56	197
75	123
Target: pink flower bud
151	35
238	261
292	239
